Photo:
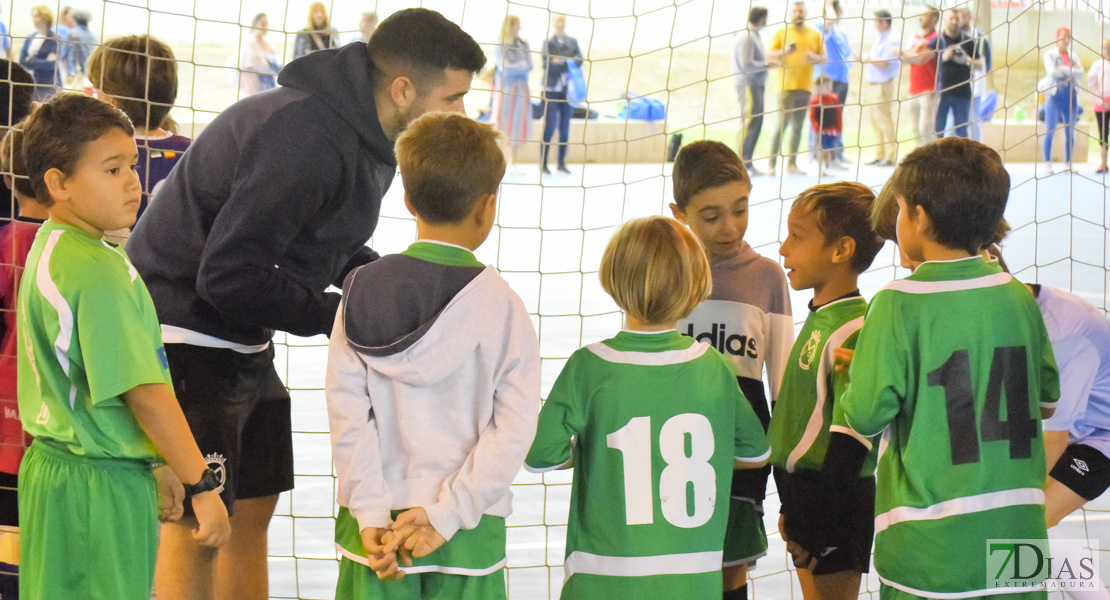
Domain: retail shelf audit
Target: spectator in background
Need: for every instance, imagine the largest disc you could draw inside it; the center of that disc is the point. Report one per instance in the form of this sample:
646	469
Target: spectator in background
259	64
825	113
40	54
318	33
138	75
16	91
64	23
6	41
512	102
366	25
77	49
923	76
979	69
880	71
836	66
1098	82
1060	87
796	47
957	56
557	112
749	68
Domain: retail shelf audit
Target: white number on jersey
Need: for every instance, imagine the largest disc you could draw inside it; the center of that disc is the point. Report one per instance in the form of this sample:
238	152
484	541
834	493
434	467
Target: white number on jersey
633	441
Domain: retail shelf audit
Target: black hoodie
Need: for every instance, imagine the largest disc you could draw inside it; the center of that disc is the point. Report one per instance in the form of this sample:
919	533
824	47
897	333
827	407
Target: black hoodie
271	204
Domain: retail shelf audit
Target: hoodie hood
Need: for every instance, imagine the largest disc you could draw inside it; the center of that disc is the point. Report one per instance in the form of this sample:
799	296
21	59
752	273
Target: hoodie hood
746	255
411	319
339	77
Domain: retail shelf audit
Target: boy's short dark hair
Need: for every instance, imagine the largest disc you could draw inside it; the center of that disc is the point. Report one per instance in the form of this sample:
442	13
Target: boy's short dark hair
757	15
139	72
961	184
448	161
55	136
11	161
420	44
705	164
17	87
843	209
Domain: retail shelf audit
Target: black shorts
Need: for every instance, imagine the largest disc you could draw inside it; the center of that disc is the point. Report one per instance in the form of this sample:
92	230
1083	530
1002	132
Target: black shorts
838	543
9	508
1083	470
239	413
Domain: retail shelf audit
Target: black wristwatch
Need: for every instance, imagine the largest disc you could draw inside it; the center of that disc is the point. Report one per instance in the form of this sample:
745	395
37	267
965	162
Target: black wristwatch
209	481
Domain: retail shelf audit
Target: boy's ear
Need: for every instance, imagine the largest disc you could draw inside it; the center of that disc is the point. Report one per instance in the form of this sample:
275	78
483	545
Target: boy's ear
8	181
485	210
678	213
844	249
55	183
408	206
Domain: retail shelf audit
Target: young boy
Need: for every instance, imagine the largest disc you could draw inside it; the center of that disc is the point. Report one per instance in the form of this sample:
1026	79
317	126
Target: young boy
647	515
746	318
433	385
824	471
94	389
15	242
953	365
824	114
138	75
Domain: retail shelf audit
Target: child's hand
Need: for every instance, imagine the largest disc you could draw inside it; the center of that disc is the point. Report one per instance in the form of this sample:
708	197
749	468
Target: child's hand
212	516
420	538
380	554
801	558
170	494
842	360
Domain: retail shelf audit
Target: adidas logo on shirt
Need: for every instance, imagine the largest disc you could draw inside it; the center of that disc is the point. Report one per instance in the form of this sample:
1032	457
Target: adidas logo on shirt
717	336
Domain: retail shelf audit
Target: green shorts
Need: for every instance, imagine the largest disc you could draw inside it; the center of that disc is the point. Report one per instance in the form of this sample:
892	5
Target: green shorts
111	554
358	582
887	592
745	537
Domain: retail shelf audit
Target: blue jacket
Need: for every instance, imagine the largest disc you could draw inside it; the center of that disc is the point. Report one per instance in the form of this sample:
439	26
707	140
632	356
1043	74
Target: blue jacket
273	203
44	71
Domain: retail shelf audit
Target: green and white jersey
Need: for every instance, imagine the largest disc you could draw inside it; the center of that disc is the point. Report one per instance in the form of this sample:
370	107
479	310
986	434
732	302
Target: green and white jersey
88	333
808	408
953	366
657	421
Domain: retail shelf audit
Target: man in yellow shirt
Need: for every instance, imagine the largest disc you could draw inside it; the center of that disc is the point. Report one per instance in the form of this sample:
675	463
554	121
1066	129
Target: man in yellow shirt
797	47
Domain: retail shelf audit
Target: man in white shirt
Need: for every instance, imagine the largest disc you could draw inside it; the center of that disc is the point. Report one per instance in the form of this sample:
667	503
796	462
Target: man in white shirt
880	71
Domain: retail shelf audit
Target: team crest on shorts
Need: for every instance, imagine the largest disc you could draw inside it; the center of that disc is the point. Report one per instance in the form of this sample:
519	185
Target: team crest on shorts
216	463
809	350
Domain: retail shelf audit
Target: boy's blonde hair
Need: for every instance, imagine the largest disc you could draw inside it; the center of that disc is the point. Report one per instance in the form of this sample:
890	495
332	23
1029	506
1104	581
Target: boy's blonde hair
656	270
11	161
702	165
843	209
448	161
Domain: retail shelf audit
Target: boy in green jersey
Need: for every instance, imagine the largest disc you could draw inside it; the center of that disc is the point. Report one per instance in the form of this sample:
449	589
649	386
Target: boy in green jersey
953	366
826	518
94	388
656	424
433	386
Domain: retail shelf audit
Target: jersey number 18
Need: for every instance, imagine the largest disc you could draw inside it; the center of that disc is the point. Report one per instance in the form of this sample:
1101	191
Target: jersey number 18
633	441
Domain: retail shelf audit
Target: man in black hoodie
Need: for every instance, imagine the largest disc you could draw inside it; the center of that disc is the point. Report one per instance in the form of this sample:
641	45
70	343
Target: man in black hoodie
273	203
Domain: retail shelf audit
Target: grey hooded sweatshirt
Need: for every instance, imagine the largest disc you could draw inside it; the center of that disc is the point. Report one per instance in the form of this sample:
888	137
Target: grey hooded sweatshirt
271	204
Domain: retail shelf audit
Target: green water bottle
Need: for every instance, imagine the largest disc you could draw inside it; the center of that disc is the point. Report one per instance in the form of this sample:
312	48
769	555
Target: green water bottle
1019	114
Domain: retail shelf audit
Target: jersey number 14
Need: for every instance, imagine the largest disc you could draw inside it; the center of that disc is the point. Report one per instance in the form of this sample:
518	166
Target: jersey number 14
1009	373
633	441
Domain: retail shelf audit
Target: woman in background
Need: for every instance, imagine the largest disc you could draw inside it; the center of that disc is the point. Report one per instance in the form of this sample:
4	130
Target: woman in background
1060	86
259	63
40	54
1098	82
318	34
512	104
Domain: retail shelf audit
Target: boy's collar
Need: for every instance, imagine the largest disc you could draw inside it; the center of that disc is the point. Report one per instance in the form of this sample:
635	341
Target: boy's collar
849	296
427	241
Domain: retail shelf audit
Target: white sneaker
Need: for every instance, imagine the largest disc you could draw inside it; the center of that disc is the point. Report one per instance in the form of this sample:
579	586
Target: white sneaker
1044	169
